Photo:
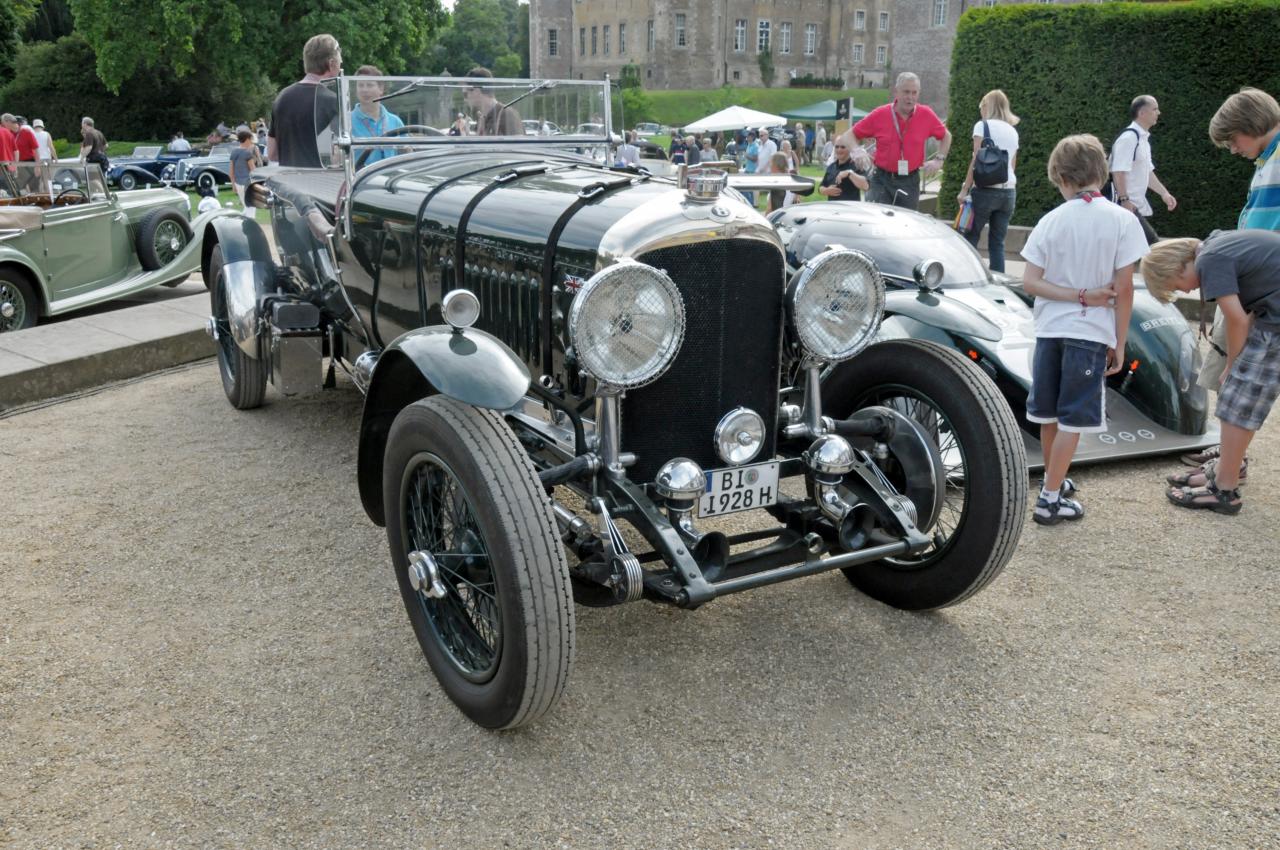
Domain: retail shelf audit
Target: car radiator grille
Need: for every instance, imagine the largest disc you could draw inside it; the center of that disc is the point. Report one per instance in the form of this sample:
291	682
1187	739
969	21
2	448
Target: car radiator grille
733	298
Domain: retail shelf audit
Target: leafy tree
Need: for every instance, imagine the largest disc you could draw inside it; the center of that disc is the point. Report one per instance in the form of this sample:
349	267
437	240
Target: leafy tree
508	65
56	81
50	21
765	61
233	38
9	26
482	32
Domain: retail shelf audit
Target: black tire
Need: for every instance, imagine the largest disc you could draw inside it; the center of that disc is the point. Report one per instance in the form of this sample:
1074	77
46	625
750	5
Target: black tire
162	235
984	455
128	181
207	180
18	300
244	379
502	657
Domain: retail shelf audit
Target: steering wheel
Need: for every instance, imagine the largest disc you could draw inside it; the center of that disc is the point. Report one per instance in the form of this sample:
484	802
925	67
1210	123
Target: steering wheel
81	192
421	129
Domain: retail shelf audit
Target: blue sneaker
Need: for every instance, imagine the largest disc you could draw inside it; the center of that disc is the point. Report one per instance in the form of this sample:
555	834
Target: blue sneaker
1052	513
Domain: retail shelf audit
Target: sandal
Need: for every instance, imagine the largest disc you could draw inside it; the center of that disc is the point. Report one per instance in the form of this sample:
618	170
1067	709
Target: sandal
1208	498
1201	457
1205	474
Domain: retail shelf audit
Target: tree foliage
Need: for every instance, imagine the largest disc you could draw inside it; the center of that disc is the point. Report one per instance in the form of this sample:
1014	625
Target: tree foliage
56	81
483	33
1207	51
9	27
246	37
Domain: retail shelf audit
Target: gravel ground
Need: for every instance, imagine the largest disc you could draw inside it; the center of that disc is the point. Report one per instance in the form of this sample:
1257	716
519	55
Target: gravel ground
201	645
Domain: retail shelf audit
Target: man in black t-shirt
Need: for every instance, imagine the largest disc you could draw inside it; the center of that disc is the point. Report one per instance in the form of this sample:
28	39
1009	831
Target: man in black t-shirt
492	118
843	181
303	114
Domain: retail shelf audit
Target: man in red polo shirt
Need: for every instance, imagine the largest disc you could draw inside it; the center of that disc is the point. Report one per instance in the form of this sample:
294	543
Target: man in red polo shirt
8	150
900	130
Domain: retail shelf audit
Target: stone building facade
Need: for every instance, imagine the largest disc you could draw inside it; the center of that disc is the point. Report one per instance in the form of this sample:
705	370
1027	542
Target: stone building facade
701	44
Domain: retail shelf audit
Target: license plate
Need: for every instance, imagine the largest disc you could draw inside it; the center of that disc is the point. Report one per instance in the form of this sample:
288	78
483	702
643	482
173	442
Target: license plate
739	489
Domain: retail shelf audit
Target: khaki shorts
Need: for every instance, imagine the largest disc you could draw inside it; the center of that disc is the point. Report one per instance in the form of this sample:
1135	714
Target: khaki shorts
1211	370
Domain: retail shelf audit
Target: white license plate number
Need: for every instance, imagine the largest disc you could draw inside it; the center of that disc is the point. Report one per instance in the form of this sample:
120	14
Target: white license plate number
741	488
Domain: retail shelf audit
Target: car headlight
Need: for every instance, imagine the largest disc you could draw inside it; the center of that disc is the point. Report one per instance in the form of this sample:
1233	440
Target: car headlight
627	324
836	303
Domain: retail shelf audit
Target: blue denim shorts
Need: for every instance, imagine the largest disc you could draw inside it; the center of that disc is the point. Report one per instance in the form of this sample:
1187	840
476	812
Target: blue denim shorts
1068	380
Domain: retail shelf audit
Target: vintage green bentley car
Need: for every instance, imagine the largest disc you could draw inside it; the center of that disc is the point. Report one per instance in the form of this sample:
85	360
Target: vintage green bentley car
553	350
67	241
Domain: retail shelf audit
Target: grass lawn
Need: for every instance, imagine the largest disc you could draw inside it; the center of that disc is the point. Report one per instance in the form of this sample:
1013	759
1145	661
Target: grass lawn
676	108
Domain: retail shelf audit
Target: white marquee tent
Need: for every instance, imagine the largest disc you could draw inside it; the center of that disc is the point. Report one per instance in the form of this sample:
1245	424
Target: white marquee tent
734	118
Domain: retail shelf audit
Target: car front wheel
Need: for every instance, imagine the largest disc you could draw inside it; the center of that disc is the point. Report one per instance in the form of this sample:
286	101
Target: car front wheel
128	181
18	306
480	566
206	180
984	461
244	379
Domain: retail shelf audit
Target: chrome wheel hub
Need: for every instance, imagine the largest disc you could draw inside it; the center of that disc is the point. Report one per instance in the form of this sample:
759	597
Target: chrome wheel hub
424	575
7	310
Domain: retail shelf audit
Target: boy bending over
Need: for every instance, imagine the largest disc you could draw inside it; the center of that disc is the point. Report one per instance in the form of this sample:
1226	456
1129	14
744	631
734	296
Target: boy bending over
1080	269
1240	269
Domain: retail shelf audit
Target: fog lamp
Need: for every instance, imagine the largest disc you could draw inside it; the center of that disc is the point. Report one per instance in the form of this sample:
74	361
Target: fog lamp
928	274
739	436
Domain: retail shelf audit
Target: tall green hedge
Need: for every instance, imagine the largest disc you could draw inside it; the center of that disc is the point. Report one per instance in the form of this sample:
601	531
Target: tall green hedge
1074	69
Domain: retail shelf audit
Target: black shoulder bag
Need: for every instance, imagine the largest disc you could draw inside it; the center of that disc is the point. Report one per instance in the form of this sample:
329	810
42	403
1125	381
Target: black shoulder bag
990	163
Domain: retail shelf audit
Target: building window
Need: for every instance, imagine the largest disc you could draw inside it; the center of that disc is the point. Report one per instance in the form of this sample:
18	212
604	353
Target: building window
988	3
606	39
884	22
650	39
553	39
762	37
810	39
595	39
857	54
737	75
784	37
622	39
740	35
680	40
860	20
582	41
939	13
882	55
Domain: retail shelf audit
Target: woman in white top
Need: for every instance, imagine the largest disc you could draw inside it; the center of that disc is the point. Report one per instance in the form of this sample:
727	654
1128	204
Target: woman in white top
993	205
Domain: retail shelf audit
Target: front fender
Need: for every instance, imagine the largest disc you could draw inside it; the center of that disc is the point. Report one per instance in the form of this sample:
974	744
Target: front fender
939	311
247	270
471	366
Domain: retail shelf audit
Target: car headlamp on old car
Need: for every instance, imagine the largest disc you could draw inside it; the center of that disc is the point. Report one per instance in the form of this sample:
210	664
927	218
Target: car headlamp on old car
627	324
928	274
836	303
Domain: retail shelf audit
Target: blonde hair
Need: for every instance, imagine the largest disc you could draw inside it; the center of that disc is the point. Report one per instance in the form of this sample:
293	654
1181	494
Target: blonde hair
1248	112
318	52
778	162
1165	263
1078	161
995	105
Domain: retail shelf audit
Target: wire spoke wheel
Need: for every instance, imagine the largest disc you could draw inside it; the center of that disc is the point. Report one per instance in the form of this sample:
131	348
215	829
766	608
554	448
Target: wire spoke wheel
14	307
983	460
468	620
478	560
169	240
920	408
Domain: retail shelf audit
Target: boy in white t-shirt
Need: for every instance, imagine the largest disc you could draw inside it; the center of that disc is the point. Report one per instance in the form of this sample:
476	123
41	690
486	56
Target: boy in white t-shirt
208	200
1079	258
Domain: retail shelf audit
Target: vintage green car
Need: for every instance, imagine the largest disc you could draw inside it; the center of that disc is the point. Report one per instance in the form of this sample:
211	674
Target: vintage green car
67	241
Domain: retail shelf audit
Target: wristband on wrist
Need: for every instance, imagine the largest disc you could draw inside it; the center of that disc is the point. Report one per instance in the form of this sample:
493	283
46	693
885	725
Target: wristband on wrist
1083	305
